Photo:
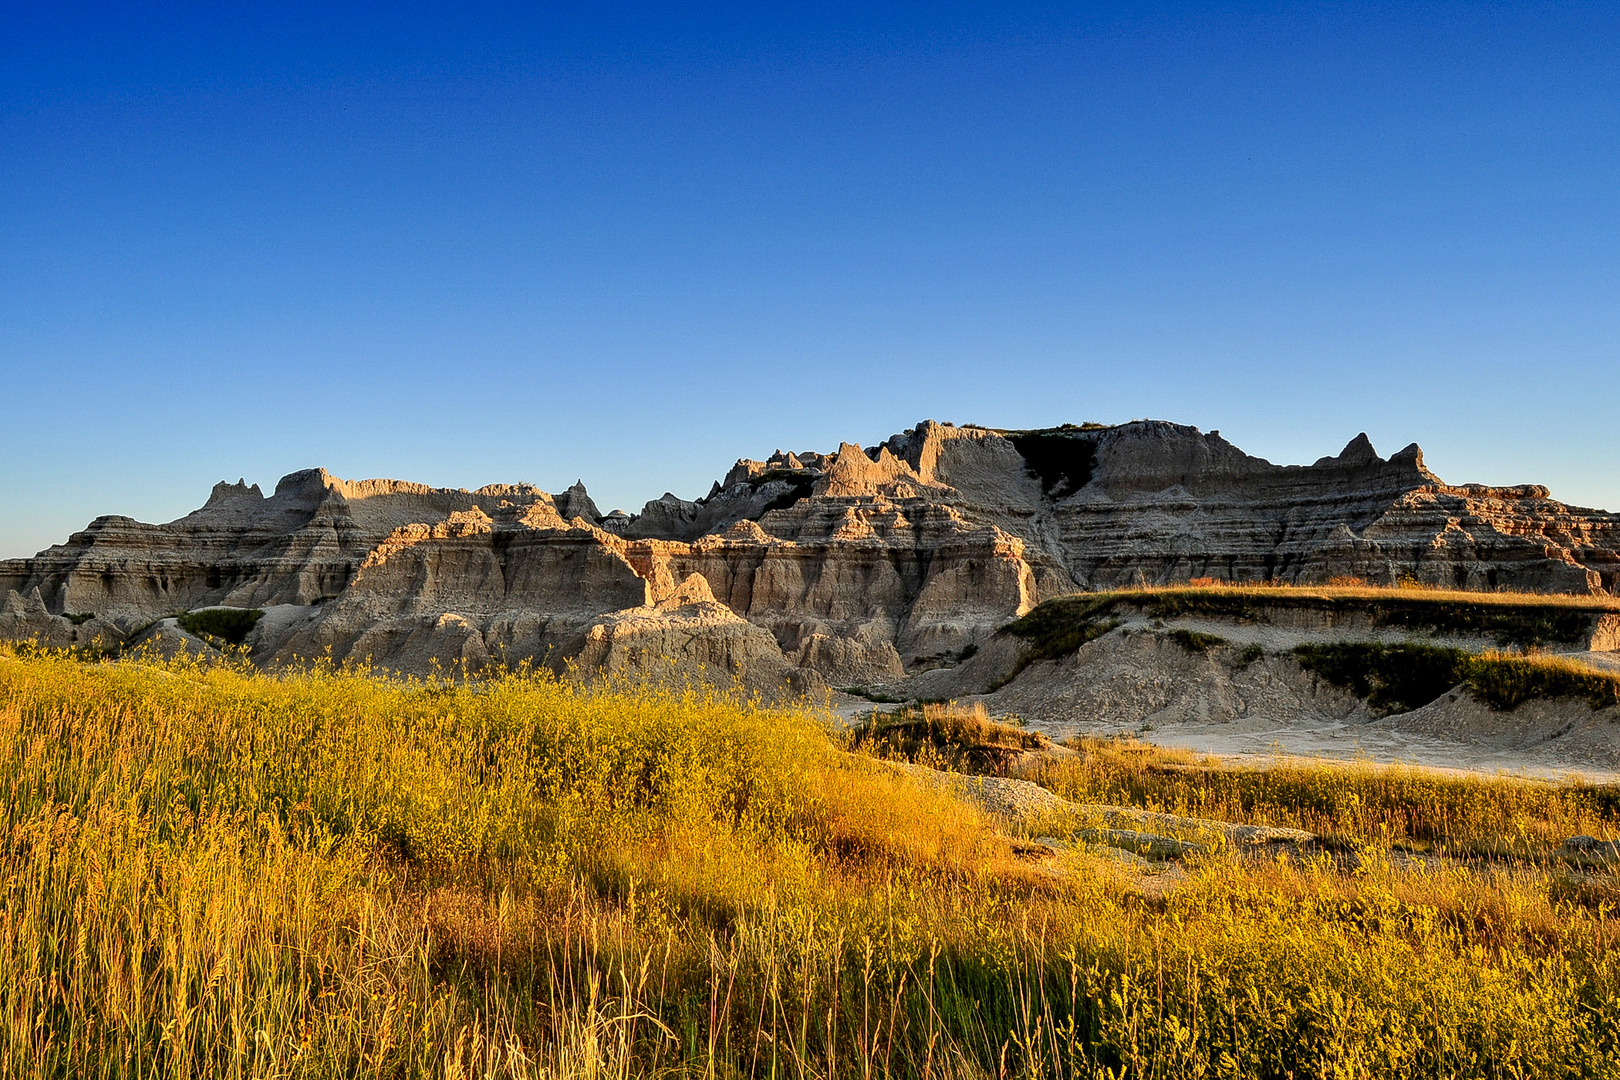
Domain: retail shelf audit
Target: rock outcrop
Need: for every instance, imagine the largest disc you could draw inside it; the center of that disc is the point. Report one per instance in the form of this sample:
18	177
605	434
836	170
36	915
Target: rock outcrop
858	566
25	618
689	637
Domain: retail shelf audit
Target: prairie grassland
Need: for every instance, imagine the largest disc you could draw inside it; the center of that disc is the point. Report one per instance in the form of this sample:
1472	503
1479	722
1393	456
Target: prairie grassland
209	872
1395	806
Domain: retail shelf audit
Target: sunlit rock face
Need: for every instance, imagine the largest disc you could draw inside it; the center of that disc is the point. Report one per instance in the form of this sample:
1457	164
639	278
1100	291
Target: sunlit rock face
854	566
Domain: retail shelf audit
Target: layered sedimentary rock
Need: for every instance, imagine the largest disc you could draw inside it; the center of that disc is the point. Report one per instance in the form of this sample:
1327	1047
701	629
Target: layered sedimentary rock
857	566
689	637
299	546
1155	502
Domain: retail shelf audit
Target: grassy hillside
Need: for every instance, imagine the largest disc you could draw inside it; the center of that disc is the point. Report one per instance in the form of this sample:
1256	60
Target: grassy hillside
218	873
1404	809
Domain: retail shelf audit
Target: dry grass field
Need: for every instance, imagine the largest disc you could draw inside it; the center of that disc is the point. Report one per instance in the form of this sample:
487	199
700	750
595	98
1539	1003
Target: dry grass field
213	872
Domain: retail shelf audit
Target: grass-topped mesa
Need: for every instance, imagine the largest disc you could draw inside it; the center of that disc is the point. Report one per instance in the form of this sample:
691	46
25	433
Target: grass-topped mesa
220	625
1522	620
1061	626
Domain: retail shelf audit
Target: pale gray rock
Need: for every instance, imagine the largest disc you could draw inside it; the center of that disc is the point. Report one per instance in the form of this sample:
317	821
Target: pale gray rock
25	618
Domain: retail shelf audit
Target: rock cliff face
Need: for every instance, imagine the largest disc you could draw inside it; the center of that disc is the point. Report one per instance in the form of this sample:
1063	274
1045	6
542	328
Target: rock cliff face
853	567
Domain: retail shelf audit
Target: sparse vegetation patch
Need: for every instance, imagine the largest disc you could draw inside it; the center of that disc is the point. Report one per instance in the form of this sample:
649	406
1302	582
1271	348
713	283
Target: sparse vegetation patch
1059	627
222	626
1505	681
1195	642
1519	622
946	736
1399	678
1391	678
1415	808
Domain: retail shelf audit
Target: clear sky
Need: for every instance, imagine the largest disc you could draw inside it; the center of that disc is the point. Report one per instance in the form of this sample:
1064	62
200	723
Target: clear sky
463	243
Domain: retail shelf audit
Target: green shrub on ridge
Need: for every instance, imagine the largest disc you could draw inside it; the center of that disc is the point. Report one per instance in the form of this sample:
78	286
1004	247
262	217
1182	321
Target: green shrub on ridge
229	626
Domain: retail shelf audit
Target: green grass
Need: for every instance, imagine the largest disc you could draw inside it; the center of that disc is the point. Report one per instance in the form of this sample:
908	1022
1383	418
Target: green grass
1393	678
1058	628
1195	642
1512	619
210	872
1504	682
1398	678
224	626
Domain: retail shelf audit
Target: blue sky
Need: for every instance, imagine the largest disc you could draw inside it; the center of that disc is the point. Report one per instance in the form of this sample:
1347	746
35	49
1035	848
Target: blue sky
473	243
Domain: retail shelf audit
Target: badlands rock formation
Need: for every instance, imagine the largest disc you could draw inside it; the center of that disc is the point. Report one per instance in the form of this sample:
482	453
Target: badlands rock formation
858	566
1229	677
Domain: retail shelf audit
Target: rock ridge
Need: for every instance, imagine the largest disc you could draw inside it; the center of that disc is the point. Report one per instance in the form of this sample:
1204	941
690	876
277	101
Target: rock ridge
853	566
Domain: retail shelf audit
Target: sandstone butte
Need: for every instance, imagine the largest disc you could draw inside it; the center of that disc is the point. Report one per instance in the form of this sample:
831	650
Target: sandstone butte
801	571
